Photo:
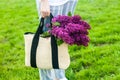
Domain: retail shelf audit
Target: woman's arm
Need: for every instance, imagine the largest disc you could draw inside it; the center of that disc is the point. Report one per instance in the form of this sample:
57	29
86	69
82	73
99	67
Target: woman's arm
45	8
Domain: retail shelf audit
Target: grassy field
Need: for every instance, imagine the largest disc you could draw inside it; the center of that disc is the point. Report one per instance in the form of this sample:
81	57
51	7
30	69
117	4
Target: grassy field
99	61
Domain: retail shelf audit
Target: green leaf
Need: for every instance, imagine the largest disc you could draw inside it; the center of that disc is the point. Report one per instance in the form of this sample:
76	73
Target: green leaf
45	34
56	24
69	13
59	41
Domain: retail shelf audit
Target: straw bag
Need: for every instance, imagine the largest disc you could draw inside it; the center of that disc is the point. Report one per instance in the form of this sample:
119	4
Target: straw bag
44	53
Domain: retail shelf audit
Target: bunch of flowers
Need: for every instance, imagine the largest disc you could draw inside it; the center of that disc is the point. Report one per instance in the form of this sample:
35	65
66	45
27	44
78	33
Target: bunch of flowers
70	29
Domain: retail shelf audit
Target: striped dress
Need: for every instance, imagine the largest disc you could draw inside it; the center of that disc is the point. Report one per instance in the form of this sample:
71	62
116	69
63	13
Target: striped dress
57	2
57	7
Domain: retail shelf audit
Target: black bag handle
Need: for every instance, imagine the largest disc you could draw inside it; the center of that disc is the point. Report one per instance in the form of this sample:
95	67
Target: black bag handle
35	44
41	25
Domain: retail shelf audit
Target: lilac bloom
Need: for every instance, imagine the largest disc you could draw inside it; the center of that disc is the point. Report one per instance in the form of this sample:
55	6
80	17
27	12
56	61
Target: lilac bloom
76	19
72	30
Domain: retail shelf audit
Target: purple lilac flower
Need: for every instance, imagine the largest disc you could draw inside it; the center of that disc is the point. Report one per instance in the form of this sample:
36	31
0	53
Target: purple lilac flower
63	20
84	39
72	30
71	27
60	33
68	39
82	30
55	31
76	19
85	24
54	19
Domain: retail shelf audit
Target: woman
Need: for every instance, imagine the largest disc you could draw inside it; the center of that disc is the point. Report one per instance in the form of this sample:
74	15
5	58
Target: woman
56	7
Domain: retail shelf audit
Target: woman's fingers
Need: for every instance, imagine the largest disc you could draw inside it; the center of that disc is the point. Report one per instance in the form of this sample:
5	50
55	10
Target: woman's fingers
45	13
48	13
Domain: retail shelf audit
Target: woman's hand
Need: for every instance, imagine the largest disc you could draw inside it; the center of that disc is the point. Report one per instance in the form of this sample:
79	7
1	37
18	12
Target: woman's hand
45	8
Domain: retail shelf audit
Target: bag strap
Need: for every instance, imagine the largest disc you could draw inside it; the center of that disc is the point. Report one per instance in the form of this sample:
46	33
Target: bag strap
35	42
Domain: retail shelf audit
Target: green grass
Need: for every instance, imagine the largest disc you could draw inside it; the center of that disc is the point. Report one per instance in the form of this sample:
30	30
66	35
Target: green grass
99	61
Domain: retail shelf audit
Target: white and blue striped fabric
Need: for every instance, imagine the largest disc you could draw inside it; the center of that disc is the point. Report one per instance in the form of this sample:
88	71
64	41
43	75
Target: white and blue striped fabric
57	2
69	6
